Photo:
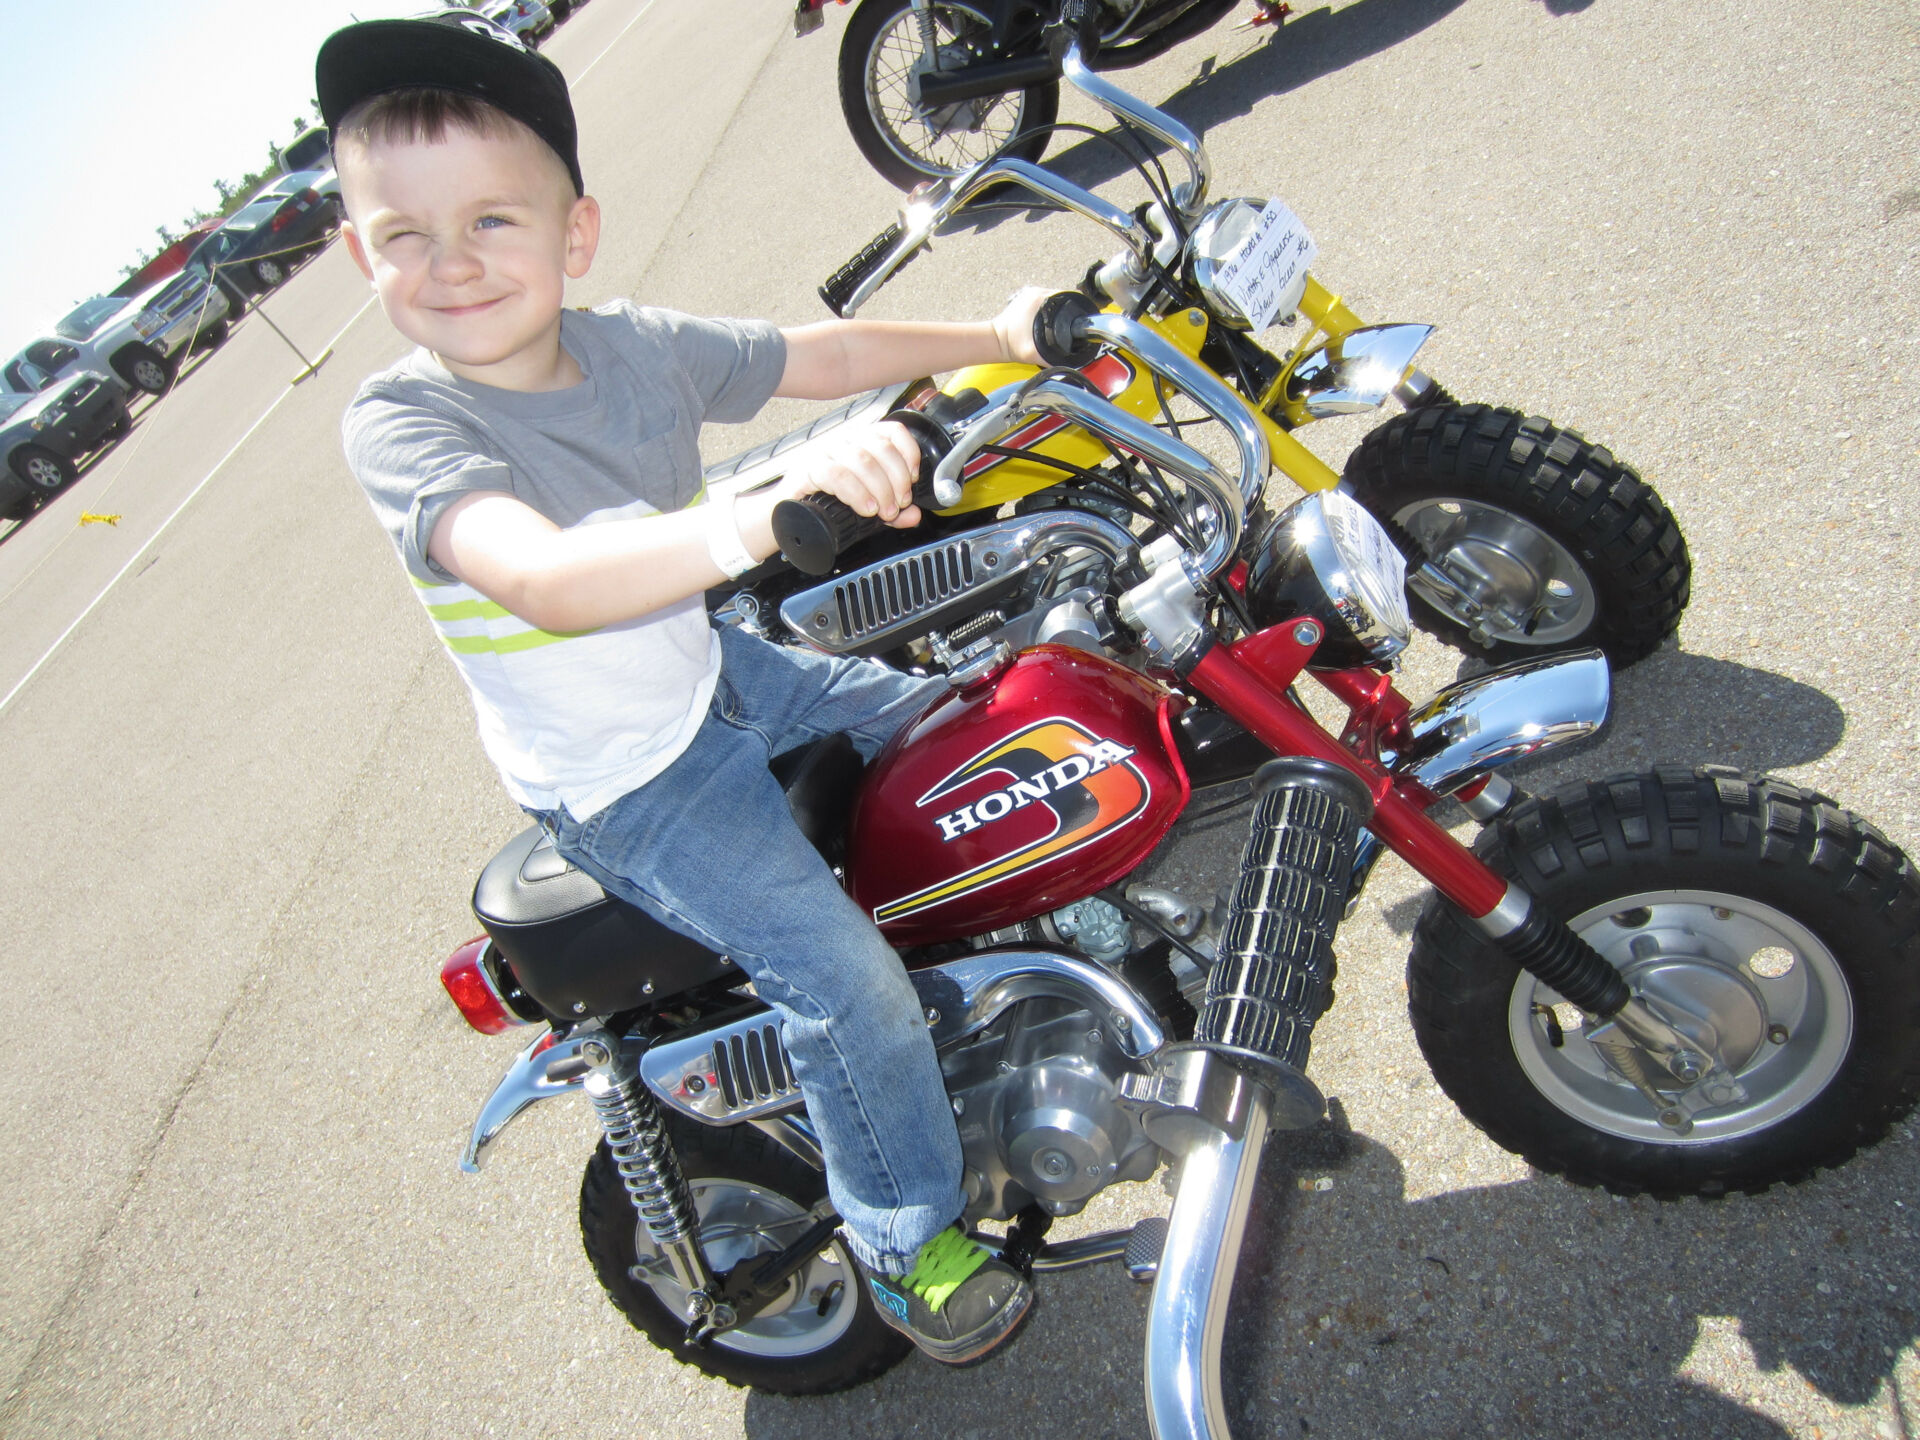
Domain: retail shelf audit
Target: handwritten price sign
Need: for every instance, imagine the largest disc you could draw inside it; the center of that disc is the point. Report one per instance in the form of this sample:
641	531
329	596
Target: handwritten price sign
1267	271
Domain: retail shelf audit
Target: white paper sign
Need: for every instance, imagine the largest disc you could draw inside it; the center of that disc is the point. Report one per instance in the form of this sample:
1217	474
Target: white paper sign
1267	271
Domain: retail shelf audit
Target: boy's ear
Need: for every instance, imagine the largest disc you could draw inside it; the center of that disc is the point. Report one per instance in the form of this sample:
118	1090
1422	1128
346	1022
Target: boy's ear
583	235
355	248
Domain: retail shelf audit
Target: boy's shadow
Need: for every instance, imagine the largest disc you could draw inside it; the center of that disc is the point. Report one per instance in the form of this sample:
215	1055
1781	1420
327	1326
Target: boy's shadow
1299	52
1533	1308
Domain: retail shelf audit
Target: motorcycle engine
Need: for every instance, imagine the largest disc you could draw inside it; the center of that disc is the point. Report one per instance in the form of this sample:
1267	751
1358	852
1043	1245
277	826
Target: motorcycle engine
1036	1099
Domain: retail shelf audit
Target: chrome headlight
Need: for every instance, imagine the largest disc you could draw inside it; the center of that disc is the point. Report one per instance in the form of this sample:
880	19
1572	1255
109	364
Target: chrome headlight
1222	231
148	323
1326	557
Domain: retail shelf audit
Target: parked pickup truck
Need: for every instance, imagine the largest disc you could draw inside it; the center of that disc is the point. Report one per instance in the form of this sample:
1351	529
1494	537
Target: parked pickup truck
135	339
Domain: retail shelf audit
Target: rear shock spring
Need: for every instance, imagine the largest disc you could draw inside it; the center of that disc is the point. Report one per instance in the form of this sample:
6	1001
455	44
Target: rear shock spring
642	1152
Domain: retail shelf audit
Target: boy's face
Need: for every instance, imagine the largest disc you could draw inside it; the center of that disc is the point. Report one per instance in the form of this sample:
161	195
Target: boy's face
469	242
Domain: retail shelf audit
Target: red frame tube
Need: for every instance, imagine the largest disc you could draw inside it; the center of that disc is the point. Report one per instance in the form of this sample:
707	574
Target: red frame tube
1238	680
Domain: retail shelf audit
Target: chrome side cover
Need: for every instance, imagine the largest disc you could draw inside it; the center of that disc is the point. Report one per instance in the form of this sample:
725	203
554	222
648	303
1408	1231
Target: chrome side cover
899	599
1477	724
1354	373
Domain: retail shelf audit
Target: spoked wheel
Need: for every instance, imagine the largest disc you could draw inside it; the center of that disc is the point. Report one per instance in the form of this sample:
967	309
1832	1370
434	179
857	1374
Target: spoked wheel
753	1198
1535	540
269	272
1746	910
882	57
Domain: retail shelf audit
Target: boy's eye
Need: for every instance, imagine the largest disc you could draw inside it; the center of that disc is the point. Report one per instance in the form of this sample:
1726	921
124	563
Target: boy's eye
489	222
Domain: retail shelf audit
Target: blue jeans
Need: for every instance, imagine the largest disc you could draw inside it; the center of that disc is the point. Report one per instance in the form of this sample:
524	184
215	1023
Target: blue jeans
709	848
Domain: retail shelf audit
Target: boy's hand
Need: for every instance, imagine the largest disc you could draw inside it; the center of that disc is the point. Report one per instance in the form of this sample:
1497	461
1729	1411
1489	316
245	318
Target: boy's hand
872	468
1013	326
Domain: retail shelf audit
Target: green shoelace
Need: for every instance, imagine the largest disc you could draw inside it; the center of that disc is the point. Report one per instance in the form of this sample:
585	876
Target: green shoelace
942	1265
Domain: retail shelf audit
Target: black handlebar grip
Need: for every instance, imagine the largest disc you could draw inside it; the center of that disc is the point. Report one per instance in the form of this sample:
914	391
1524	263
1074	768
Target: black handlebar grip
838	290
1055	333
814	529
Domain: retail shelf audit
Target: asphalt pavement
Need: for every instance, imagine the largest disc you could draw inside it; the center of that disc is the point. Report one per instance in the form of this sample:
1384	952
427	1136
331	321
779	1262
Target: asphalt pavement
247	804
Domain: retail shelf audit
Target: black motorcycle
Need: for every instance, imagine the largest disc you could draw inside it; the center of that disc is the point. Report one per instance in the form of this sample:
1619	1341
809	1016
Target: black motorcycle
930	87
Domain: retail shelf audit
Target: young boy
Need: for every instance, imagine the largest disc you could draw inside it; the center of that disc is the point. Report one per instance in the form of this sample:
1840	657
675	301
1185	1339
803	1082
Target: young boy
535	467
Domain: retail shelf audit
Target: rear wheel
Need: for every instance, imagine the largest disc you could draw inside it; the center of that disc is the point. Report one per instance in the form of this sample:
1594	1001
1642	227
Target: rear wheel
42	469
753	1198
144	368
1536	540
881	60
1750	906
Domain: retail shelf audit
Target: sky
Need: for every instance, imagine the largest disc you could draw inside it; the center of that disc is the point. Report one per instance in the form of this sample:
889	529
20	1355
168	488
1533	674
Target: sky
120	116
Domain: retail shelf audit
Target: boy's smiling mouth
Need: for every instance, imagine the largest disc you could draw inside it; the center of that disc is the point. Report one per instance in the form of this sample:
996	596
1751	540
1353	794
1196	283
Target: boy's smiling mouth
471	308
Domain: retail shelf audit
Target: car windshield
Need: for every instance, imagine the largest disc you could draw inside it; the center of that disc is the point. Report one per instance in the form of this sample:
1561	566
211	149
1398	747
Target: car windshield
89	317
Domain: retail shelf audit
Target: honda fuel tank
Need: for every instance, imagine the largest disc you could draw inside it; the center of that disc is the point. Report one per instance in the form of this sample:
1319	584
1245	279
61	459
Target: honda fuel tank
1015	797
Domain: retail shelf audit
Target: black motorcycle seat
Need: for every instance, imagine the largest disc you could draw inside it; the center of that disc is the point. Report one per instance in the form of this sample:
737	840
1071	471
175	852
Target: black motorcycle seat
577	950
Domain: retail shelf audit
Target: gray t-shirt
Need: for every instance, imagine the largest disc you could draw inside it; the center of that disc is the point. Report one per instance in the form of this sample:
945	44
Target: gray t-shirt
418	437
569	719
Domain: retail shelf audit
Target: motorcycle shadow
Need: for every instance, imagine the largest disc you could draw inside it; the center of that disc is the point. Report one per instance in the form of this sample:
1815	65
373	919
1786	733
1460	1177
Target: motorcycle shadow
1523	1309
1543	1308
1306	48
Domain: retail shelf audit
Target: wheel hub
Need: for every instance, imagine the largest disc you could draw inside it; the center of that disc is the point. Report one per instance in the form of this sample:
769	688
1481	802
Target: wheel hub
740	1221
1763	987
1501	577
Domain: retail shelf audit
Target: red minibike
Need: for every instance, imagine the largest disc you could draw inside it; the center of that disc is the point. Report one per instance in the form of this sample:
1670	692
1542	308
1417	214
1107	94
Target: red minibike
1683	981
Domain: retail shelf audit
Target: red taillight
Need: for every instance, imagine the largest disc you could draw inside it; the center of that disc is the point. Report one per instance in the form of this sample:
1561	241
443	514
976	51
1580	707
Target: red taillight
280	221
467	980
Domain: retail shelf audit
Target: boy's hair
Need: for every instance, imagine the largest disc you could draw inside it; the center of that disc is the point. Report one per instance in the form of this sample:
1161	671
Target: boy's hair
424	115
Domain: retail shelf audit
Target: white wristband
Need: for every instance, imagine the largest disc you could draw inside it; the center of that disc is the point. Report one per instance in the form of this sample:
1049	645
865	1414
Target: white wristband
724	546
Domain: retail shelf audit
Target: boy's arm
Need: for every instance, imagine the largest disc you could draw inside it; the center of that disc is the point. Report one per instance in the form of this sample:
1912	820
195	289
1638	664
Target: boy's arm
844	357
589	576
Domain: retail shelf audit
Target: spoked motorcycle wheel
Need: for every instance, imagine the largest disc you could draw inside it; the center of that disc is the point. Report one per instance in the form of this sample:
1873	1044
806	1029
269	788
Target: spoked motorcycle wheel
1784	922
1540	540
881	57
753	1198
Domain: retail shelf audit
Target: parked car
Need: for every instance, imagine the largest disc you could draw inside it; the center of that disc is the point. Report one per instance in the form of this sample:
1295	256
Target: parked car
167	263
323	182
44	434
529	19
137	338
255	249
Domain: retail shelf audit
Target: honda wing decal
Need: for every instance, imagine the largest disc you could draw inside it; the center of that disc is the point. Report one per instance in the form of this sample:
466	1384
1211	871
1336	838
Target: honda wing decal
1087	786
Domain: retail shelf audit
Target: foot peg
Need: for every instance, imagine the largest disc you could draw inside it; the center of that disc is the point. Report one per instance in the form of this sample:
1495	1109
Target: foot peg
1144	1244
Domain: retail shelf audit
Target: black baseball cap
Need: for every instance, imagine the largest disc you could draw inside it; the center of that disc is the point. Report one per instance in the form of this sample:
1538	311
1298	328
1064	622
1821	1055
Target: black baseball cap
458	51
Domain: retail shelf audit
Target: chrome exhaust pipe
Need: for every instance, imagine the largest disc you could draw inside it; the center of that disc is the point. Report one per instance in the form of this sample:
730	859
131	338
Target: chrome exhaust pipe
1189	1313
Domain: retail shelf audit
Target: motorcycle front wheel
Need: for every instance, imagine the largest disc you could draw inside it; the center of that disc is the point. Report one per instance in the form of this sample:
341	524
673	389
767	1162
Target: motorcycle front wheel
753	1198
881	58
1785	923
1535	539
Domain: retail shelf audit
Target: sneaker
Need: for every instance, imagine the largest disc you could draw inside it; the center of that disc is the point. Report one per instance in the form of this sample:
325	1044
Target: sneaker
958	1302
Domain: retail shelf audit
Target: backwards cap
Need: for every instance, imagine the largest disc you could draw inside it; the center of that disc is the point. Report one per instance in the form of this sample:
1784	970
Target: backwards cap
458	51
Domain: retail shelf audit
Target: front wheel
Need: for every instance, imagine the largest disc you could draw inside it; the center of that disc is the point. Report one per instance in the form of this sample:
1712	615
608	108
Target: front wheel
144	368
268	271
42	469
753	1198
882	56
1783	922
1535	539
